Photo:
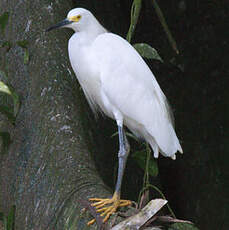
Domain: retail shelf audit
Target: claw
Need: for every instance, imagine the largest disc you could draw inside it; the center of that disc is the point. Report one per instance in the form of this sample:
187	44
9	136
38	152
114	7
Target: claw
111	206
91	222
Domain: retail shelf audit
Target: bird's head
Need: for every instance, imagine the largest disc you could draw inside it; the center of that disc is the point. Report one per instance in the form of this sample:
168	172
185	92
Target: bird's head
77	19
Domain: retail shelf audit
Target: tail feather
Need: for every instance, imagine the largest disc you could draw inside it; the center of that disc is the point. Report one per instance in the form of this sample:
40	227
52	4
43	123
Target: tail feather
166	142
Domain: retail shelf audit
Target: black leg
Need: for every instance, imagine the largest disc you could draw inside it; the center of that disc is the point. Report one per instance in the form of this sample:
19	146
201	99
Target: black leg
122	155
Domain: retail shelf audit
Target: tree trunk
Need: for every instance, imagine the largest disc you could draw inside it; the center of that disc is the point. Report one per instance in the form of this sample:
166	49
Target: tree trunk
49	167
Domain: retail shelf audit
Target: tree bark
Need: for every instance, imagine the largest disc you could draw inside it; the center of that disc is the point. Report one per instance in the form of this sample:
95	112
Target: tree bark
49	167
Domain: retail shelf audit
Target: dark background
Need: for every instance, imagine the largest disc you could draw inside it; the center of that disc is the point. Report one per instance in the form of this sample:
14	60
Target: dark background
195	83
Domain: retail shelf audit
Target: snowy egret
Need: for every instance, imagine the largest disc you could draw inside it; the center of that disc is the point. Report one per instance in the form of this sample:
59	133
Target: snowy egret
117	82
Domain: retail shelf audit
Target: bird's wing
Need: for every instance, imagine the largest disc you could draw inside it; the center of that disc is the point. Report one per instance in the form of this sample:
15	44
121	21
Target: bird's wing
132	88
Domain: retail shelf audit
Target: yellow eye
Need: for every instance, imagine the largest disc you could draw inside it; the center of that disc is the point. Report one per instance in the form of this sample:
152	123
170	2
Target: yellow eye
75	18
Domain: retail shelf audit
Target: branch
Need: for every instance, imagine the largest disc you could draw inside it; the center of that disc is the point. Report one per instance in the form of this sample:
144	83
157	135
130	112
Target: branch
142	217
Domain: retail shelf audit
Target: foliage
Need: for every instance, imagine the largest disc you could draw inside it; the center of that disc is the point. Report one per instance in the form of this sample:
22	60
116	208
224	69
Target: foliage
7	92
4	19
141	158
135	10
11	114
147	51
8	221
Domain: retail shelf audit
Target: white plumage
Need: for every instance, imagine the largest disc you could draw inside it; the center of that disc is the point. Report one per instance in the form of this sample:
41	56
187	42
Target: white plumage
117	81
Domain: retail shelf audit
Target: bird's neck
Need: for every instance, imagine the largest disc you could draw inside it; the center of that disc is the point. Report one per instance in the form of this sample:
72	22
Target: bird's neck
90	33
95	30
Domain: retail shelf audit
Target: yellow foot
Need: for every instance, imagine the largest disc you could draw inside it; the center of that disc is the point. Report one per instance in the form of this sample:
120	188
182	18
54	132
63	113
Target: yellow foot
111	206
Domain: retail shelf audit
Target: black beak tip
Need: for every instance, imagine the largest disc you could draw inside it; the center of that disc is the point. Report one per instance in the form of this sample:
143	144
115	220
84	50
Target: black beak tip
59	25
50	28
47	30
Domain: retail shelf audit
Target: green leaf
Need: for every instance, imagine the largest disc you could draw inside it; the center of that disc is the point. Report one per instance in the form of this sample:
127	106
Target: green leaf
5	142
4	88
11	218
16	101
140	158
147	51
23	43
4	18
114	134
3	75
5	44
10	91
182	226
135	10
26	56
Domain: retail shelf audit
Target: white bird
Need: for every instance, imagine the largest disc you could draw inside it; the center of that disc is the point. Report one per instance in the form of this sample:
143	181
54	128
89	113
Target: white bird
117	82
